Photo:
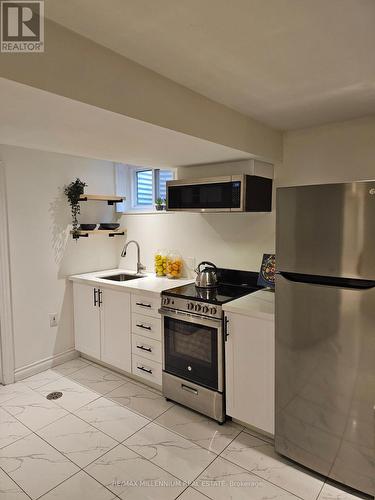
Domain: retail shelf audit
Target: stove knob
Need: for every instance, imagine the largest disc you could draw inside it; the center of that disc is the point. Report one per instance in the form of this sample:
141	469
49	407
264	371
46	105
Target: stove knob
198	307
213	310
205	309
190	306
166	301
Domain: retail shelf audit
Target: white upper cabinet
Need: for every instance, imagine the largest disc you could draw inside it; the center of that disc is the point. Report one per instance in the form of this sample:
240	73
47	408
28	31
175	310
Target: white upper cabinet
250	372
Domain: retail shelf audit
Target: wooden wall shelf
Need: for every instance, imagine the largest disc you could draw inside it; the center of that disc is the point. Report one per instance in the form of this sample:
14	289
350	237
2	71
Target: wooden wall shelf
105	232
102	197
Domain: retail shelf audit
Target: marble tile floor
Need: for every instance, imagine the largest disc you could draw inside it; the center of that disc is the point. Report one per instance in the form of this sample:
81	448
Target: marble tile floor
109	437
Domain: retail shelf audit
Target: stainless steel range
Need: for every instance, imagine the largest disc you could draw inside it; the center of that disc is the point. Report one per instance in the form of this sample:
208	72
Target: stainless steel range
193	341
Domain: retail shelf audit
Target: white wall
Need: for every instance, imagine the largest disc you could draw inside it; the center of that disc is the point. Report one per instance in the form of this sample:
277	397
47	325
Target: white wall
338	152
229	240
42	252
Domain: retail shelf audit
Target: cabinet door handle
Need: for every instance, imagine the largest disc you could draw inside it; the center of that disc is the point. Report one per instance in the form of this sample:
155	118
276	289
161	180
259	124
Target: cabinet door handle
142	368
100	293
95	297
142	304
226	333
143	348
144	327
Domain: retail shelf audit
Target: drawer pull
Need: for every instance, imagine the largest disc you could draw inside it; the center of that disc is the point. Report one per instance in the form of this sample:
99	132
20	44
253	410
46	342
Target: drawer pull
142	368
143	348
144	327
143	305
189	389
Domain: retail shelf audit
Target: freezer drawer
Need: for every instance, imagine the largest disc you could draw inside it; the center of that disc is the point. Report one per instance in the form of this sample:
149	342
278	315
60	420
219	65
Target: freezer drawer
327	230
325	379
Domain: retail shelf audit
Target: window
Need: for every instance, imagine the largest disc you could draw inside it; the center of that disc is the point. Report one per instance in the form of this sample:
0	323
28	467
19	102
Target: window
149	185
140	186
144	187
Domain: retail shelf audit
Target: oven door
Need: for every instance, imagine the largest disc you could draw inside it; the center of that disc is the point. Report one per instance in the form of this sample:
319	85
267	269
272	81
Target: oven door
193	348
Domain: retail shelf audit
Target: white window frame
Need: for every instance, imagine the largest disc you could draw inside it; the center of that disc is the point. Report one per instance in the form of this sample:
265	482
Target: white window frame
155	188
133	181
125	178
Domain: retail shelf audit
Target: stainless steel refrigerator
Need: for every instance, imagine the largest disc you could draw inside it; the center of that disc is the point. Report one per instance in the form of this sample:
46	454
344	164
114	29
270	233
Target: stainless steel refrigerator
325	330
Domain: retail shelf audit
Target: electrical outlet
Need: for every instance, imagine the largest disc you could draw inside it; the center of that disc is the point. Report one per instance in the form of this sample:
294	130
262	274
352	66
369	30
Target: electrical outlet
53	320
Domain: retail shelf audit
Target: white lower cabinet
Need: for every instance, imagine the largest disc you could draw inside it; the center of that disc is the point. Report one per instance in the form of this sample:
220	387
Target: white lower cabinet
102	324
146	339
147	369
250	370
116	328
146	326
146	347
120	329
86	320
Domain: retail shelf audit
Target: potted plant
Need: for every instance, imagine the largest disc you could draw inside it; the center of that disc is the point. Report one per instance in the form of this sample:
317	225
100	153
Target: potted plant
73	192
159	204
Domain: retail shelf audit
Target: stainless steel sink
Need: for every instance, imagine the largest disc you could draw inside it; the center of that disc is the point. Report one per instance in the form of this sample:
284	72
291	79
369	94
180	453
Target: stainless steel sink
122	277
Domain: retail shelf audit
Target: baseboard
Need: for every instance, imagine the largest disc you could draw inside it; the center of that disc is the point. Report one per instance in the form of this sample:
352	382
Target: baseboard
255	431
44	364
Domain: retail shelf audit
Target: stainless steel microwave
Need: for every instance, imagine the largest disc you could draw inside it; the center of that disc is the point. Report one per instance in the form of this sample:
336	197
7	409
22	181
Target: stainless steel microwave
237	193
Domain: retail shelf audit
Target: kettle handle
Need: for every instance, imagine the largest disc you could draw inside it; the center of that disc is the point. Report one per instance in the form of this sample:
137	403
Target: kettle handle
204	263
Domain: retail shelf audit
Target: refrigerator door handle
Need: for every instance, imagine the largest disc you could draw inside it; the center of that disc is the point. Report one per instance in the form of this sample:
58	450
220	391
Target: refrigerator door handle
355	284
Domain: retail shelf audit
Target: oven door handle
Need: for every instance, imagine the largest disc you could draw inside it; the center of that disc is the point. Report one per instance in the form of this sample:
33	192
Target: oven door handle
191	318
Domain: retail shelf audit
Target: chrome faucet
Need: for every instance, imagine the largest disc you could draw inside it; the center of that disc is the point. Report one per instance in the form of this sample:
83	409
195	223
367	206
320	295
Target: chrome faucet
140	267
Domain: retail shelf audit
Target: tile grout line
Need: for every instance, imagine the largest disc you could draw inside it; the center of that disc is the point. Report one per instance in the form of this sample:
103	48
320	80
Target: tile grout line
118	443
122	442
252	472
70	477
143	458
196	477
57	485
15	482
62	453
51	381
262	478
58	451
70	412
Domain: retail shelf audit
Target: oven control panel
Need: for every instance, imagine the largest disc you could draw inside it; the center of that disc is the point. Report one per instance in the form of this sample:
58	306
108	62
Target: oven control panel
192	306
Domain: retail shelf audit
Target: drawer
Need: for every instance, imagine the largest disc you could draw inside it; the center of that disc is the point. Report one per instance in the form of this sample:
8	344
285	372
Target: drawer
143	304
146	326
147	348
147	369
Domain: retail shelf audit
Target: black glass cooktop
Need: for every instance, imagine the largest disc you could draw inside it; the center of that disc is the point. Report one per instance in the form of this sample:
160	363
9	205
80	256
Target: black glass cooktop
219	295
232	285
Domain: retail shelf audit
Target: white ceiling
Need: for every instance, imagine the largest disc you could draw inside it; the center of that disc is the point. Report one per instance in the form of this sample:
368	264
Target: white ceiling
288	63
41	120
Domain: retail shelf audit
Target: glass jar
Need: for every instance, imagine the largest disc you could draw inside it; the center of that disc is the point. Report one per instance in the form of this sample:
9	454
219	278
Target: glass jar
174	265
160	262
